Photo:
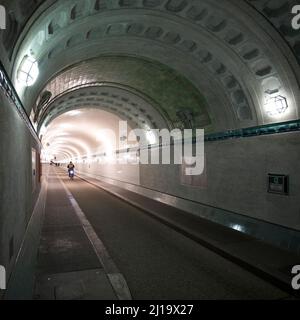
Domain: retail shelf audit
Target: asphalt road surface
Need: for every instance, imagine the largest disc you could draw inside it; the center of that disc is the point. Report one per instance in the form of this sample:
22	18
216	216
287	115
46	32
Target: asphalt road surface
158	262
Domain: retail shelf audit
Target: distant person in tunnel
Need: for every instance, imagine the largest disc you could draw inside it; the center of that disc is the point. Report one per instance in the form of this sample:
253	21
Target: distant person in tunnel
71	168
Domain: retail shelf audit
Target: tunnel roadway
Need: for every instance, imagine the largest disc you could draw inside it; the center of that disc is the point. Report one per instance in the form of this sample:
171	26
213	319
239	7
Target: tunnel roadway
156	261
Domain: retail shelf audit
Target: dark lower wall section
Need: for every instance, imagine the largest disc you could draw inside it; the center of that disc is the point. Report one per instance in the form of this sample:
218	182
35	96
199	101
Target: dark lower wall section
22	280
19	181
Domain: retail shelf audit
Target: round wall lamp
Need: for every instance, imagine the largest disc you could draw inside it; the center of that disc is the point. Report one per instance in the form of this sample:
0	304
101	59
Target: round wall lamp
28	71
276	105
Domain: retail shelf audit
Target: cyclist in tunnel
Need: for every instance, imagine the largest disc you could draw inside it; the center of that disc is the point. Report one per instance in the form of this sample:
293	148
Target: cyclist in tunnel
71	168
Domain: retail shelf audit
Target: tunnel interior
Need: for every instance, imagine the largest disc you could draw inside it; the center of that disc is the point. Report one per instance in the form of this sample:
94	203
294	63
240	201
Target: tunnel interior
80	133
74	72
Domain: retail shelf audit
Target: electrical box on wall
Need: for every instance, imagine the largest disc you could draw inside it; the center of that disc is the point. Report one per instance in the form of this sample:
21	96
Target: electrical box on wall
278	183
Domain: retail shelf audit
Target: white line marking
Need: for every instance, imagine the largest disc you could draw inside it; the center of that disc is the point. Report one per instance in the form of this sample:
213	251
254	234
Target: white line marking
115	277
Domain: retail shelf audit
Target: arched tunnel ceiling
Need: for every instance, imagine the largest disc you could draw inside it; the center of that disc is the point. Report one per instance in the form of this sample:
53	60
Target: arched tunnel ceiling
137	110
228	50
279	14
148	85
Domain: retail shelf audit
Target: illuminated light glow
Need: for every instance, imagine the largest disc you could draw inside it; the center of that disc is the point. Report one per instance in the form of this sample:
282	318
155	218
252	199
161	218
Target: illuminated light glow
28	71
104	135
237	227
75	144
63	154
109	144
58	152
55	136
109	155
276	105
66	126
62	140
73	113
56	147
76	138
2	18
89	160
151	138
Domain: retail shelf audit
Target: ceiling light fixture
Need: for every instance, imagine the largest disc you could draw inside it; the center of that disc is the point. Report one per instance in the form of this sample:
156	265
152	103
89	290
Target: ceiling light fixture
276	105
28	71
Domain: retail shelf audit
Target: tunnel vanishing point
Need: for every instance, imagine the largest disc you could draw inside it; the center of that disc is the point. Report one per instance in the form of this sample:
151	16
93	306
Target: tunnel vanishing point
134	93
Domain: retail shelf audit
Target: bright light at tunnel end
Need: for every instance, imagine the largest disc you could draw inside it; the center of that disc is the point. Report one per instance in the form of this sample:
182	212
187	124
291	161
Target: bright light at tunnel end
183	147
74	113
